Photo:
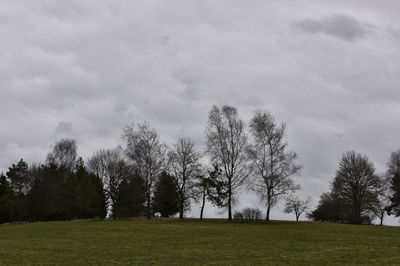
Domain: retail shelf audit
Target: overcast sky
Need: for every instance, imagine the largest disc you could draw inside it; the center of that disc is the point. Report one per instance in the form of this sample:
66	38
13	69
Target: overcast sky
84	69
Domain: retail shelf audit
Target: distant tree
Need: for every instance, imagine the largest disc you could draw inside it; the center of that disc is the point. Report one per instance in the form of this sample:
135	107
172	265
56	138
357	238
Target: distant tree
166	196
203	192
296	205
131	197
18	174
6	198
217	187
90	200
209	186
50	197
380	205
34	172
148	156
226	142
64	154
273	166
329	209
20	182
184	164
248	215
110	167
393	174
356	185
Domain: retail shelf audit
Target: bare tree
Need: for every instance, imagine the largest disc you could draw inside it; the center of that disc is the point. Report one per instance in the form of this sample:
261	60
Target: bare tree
272	165
148	156
297	206
63	154
226	142
207	187
110	167
380	205
356	185
184	164
393	174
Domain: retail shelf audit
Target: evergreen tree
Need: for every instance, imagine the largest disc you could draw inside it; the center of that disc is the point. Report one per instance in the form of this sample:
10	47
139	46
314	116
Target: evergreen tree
89	196
393	174
131	197
47	197
20	183
6	198
19	177
166	196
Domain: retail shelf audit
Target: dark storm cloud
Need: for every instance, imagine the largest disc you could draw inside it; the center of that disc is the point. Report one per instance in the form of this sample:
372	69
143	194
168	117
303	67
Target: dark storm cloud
100	65
341	26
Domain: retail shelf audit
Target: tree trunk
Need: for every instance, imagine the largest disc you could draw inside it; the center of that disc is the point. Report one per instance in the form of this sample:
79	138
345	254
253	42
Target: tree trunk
268	207
381	223
114	210
202	206
148	207
230	200
297	218
181	207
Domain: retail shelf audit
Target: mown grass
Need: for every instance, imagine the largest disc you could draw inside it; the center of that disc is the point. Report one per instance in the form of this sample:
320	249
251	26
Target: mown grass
211	242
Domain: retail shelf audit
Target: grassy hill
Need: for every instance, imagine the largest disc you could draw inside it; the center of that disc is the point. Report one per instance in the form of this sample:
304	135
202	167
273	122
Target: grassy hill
211	242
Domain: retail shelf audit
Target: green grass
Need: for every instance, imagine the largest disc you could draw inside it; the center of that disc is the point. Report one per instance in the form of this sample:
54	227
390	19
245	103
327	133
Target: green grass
211	242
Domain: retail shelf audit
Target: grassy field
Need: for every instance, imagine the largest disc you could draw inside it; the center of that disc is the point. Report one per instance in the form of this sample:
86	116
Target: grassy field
212	242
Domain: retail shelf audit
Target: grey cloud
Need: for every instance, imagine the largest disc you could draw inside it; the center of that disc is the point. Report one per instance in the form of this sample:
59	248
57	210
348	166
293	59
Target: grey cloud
341	26
63	129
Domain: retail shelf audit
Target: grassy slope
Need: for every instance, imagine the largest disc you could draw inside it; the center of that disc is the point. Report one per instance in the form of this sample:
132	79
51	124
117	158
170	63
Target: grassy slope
166	242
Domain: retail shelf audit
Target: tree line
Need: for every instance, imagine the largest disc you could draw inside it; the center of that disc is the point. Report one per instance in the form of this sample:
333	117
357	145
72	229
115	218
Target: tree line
358	194
146	177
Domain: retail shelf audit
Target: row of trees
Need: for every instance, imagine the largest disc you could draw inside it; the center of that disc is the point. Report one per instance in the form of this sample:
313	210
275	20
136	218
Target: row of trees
58	191
145	176
358	194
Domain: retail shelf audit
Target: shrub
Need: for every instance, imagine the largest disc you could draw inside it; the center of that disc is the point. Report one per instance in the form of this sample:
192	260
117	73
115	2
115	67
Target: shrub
248	215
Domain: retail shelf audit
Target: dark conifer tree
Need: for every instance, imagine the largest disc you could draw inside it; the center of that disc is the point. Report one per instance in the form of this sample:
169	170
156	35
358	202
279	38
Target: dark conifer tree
20	183
18	174
88	192
6	200
47	196
393	174
166	196
131	197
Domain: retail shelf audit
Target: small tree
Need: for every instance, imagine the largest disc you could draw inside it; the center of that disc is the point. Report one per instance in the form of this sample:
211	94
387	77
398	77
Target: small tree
272	165
184	164
297	206
210	186
393	174
166	196
64	154
226	142
148	156
18	174
20	182
356	185
330	209
6	197
248	215
131	197
381	204
110	167
89	194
